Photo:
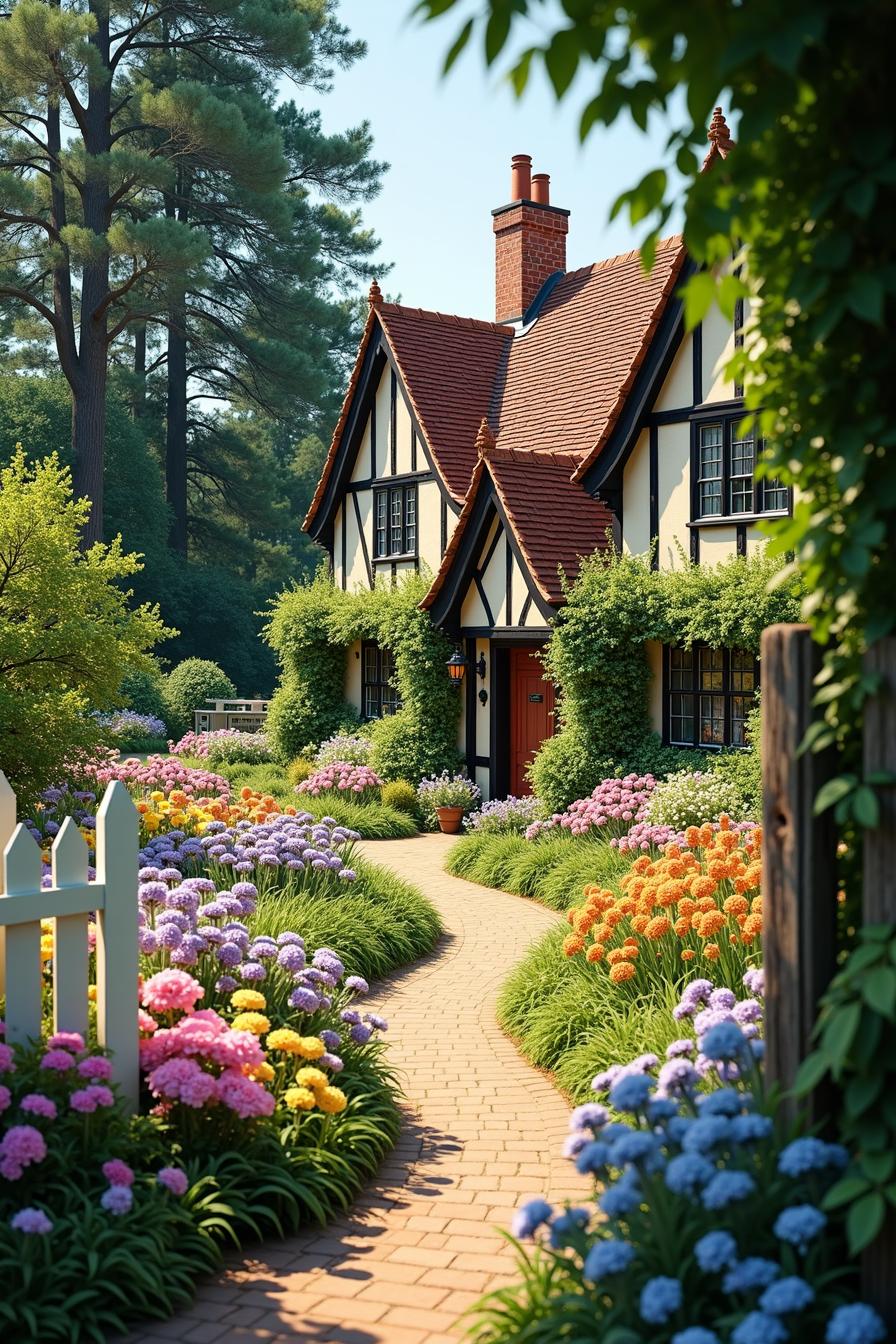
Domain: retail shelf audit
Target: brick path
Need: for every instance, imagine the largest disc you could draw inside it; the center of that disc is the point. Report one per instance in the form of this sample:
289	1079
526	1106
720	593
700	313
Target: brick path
482	1131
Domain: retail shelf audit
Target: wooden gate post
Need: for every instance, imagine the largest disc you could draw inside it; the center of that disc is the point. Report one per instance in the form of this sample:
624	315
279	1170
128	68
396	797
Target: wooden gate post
799	878
879	907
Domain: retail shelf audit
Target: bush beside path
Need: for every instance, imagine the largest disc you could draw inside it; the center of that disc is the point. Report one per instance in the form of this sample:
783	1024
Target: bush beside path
482	1132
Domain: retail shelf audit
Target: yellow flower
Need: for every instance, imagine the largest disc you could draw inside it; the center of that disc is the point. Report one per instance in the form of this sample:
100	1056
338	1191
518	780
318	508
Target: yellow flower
311	1047
332	1100
151	821
248	1000
91	993
262	1073
257	1023
287	1040
299	1099
312	1078
157	796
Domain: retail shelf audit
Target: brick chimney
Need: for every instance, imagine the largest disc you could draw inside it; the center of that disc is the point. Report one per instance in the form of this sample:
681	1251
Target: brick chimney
530	240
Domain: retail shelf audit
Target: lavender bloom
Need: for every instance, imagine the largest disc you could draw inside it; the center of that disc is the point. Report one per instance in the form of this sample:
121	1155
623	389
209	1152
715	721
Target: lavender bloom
357	984
360	1034
229	954
331	1039
331	1061
253	971
304	999
786	1295
660	1299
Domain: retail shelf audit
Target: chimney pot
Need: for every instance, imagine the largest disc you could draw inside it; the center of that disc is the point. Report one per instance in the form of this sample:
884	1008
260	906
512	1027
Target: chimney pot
520	177
541	188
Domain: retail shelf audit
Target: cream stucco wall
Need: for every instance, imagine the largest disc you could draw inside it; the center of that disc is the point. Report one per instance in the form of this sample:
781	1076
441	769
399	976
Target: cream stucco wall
352	683
636	496
718	347
674	491
654	652
678	388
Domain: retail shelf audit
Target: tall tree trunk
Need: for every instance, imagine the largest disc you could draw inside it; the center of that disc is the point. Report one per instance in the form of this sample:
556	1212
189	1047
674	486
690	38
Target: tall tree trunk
138	397
176	428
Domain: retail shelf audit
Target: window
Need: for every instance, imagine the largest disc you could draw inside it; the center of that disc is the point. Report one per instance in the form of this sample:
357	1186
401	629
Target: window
725	466
709	693
395	521
378	694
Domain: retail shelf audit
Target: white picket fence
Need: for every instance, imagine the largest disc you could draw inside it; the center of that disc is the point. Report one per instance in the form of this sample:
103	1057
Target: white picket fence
113	898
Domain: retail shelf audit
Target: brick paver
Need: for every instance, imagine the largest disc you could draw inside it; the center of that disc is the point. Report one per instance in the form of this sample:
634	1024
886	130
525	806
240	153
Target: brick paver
482	1130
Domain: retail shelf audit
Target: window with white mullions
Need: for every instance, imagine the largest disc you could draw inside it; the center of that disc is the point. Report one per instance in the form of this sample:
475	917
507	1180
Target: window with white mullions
710	478
709	693
395	521
379	696
724	464
740	478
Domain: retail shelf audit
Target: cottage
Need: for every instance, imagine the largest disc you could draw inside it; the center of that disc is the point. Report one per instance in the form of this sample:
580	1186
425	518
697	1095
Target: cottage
496	454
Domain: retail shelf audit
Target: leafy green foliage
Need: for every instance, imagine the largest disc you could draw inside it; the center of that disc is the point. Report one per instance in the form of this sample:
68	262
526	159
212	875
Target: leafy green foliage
143	690
401	795
67	632
856	1049
552	869
615	605
806	206
312	625
188	686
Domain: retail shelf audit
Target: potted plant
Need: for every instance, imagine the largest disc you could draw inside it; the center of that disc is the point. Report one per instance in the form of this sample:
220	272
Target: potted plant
445	799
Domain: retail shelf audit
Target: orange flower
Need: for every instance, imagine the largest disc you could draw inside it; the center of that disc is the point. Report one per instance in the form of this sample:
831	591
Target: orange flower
706	834
639	923
710	923
724	821
753	875
688	955
752	927
692	837
642	865
703	886
571	915
617	954
584	924
735	905
657	927
687	906
572	945
711	951
718	869
603	933
613	917
591	890
682	925
670	892
624	970
594	953
245	793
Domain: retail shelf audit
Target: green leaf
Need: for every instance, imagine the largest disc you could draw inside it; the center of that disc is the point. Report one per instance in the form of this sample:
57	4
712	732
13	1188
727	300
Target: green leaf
861	1092
866	298
496	31
865	807
458	45
839	1033
832	792
810	1073
561	59
879	991
845	1191
864	1221
699	294
879	1166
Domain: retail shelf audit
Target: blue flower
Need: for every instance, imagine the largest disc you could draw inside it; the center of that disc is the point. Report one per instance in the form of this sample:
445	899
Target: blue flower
620	1198
527	1220
725	1041
758	1328
790	1294
677	1127
660	1298
592	1158
607	1257
688	1172
754	1272
695	1334
799	1224
726	1187
855	1324
631	1092
810	1154
749	1128
716	1251
632	1147
589	1116
566	1224
574	1143
706	1134
660	1110
726	1101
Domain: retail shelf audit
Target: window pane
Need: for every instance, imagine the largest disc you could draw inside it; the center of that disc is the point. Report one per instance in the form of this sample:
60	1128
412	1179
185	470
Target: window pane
740	706
395	522
743	671
410	518
681	719
712	720
774	495
371	702
711	664
710	467
743	460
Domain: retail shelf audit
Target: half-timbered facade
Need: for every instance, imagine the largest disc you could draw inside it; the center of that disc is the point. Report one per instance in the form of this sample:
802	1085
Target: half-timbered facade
494	455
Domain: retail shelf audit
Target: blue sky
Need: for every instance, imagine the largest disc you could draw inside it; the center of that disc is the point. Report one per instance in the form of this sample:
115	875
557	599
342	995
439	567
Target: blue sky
449	142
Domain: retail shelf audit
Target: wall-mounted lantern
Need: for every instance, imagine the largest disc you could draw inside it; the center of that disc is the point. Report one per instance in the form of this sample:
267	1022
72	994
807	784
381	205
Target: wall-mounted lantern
480	666
456	665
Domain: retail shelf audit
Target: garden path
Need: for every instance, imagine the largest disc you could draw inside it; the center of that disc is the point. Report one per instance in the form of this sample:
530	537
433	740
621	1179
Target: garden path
482	1131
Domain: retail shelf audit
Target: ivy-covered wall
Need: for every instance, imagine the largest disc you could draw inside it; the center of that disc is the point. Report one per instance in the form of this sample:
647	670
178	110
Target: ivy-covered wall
311	627
596	654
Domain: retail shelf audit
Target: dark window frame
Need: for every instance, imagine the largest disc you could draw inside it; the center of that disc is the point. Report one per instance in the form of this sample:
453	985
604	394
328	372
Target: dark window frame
732	664
396	536
764	503
379	695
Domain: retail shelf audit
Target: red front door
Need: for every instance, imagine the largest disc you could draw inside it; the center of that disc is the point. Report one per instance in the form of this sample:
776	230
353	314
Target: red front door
531	714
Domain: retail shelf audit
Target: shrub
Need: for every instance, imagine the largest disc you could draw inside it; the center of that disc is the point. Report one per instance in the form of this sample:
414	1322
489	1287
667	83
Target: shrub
353	748
509	815
188	686
143	691
408	745
610	810
401	795
689	799
298	770
231	745
356	781
743	768
445	790
702	1216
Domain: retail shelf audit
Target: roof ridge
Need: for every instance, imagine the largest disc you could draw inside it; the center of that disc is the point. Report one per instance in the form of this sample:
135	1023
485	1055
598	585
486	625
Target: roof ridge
454	319
673	240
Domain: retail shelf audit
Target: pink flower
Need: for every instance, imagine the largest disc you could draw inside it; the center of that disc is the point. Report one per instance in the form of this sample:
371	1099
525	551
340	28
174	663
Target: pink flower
89	1098
117	1172
60	1060
95	1067
173	1179
182	1080
20	1146
171	991
38	1104
103	1096
5	1098
7	1060
243	1096
66	1040
145	1022
33	1222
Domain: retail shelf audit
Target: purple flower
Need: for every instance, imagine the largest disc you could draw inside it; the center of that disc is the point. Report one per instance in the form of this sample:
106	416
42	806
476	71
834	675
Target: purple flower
226	984
169	936
360	1034
229	954
291	957
33	1222
357	984
173	1179
378	1023
591	1116
253	970
304	999
331	1039
680	1047
118	1199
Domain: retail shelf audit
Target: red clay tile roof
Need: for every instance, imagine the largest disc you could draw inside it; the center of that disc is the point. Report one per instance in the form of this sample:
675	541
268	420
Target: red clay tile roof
449	366
550	539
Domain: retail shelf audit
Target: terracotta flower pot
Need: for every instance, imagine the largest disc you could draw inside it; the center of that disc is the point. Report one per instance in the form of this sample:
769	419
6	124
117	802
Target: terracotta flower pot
450	819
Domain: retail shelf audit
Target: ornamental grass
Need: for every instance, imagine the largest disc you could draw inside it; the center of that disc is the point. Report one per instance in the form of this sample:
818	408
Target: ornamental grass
698	907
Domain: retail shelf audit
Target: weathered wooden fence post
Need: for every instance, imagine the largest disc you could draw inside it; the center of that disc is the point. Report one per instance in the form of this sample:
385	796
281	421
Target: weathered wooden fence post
879	907
799	877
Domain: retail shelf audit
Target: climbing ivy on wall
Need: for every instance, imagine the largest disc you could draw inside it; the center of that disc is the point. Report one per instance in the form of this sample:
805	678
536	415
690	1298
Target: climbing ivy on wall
311	627
596	655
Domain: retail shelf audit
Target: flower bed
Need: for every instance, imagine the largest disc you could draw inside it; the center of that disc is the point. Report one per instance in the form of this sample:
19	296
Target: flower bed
704	1226
127	730
343	779
224	745
505	816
